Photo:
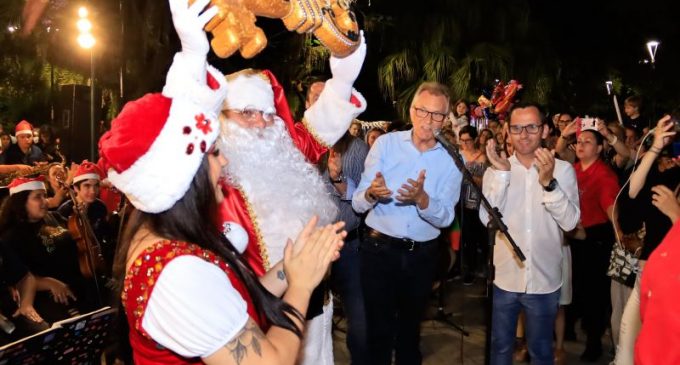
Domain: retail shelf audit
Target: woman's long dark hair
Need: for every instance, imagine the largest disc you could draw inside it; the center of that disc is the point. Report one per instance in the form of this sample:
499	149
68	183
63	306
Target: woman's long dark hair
13	210
185	221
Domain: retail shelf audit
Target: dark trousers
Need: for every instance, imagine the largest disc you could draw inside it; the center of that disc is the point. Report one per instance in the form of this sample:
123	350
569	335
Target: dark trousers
591	285
397	284
346	281
474	239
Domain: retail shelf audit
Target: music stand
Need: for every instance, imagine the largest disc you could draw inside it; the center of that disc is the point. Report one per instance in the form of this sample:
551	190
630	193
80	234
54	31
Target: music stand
77	340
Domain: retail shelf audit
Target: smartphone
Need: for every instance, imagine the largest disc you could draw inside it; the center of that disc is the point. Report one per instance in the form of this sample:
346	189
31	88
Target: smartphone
675	119
588	123
676	149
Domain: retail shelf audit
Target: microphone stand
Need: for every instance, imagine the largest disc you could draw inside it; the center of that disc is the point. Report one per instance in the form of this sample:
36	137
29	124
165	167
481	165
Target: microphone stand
495	224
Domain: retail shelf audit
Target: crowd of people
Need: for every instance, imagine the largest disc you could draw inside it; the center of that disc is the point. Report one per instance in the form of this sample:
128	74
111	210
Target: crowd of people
235	214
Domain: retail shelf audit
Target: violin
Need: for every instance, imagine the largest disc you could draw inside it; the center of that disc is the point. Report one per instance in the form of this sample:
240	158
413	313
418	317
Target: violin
90	259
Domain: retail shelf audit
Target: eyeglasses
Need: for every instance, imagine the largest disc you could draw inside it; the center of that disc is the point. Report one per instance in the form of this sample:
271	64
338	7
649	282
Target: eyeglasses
250	114
566	121
530	128
434	116
467	140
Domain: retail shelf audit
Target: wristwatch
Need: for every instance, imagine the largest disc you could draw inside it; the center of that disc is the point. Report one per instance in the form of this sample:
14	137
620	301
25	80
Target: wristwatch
340	179
552	185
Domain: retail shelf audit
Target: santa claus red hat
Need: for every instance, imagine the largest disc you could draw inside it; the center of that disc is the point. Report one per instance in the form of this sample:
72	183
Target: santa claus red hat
87	170
25	183
259	89
157	143
23	127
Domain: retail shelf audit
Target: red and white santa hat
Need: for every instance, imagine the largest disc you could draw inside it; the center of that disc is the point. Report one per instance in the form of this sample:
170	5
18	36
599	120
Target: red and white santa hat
251	89
87	170
25	183
259	89
157	143
23	127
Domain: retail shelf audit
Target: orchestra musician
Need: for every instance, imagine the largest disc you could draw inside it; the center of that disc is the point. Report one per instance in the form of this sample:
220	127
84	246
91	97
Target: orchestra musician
46	249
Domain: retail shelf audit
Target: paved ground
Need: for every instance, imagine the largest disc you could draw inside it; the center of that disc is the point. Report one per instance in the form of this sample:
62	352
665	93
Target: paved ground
442	345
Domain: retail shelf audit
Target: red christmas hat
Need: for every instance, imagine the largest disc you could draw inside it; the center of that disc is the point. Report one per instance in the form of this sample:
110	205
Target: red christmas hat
87	170
156	144
282	108
259	89
23	127
26	183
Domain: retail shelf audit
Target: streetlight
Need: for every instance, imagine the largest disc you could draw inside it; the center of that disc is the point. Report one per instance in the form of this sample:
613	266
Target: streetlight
87	41
610	91
652	46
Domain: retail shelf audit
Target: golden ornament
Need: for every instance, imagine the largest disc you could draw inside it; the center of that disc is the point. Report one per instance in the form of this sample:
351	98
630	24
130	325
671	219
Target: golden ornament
233	28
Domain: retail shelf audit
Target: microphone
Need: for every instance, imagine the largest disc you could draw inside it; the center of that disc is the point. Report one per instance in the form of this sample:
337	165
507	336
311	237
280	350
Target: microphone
496	220
451	148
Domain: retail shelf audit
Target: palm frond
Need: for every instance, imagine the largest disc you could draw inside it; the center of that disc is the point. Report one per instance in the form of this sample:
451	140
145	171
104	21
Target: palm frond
459	81
489	62
439	64
396	68
315	57
404	101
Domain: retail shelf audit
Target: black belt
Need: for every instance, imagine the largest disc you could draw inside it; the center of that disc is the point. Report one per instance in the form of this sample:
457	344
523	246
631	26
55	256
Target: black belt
401	243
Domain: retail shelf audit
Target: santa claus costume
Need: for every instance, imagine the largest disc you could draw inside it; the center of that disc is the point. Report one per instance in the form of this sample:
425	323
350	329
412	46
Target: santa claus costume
186	292
152	152
272	187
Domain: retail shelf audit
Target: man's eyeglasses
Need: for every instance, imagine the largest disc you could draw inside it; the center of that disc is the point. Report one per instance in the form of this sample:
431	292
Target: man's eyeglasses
250	114
434	116
530	128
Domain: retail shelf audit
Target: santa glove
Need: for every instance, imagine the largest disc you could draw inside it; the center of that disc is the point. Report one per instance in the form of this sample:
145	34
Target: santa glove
346	70
189	23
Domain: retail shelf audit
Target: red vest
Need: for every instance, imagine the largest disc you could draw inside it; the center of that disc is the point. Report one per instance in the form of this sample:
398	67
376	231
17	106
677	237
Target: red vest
138	286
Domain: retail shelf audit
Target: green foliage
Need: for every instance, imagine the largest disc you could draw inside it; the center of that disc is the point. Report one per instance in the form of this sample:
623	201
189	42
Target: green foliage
396	68
23	94
466	45
62	76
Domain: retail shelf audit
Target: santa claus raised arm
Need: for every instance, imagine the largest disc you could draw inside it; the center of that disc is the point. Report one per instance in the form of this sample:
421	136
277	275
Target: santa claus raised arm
260	137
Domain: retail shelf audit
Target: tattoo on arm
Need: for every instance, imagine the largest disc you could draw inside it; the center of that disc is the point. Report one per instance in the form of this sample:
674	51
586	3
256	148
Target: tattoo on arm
249	337
281	275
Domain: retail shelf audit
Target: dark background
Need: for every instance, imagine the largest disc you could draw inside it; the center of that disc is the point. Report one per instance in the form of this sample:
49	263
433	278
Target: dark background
562	52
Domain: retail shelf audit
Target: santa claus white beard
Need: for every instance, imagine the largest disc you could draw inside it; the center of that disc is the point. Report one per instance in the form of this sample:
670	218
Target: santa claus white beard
285	190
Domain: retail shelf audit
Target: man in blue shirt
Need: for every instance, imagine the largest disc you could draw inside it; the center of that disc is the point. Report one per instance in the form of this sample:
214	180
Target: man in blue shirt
409	186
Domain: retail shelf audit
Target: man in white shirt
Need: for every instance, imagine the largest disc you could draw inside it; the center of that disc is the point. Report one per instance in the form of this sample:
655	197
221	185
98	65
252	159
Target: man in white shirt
538	198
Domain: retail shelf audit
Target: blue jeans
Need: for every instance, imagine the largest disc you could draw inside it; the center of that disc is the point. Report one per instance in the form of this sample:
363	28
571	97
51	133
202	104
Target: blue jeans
540	311
346	279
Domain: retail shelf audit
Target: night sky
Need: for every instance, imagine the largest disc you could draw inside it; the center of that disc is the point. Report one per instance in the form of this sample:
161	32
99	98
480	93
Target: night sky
598	37
595	41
